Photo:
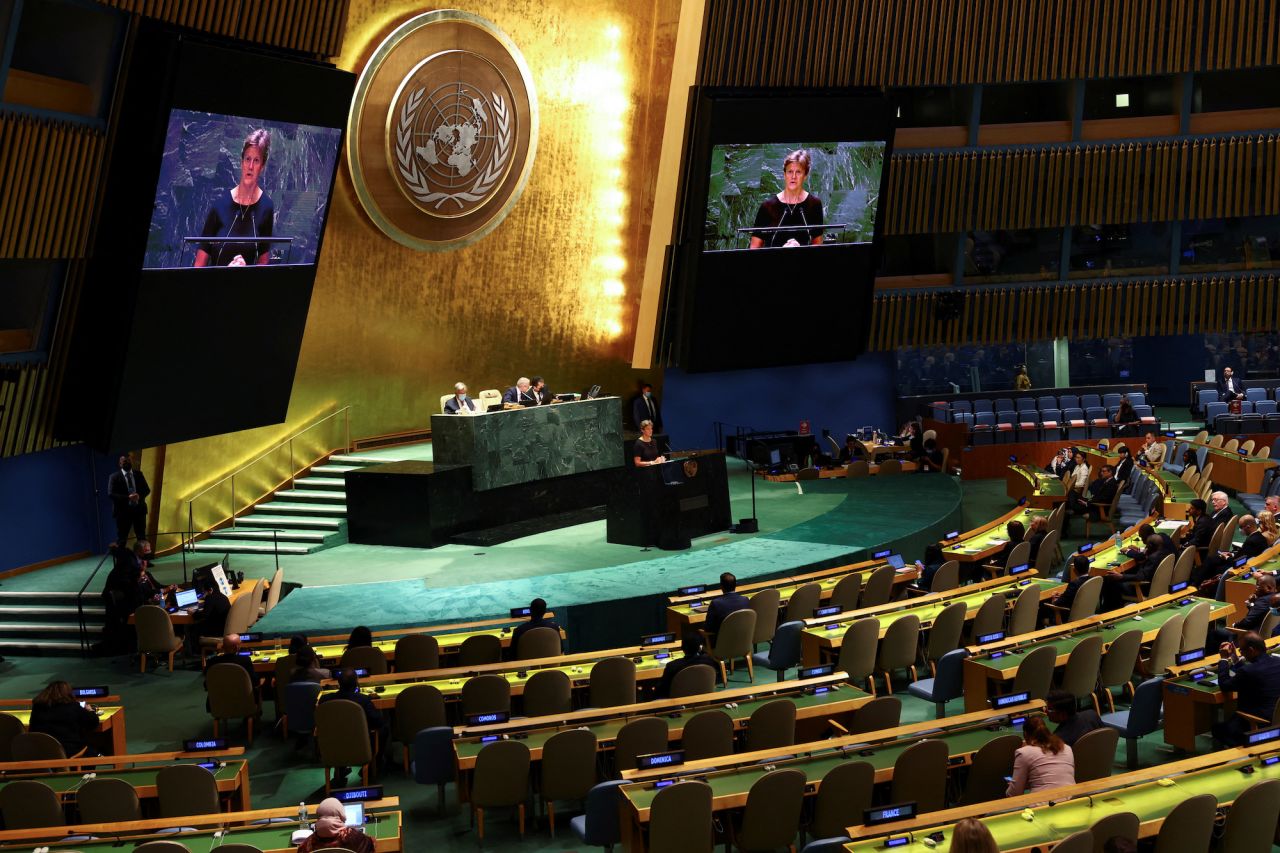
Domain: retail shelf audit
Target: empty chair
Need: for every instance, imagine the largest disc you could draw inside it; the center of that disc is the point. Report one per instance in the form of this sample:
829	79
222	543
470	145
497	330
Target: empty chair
1164	649
771	818
1026	611
433	761
36	746
485	694
238	848
1035	672
536	643
300	707
162	847
1091	401
898	648
1076	842
990	617
946	577
878	588
1123	824
500	779
735	639
480	649
803	601
107	800
947	683
1084	605
889	467
858	650
847	591
944	634
282	669
680	819
369	658
613	682
845	793
1189	826
882	712
920	776
771	725
231	696
641	736
189	789
10	727
1182	566
342	735
1095	754
27	804
417	652
784	649
1195	627
707	734
1251	823
765	605
1142	718
598	825
155	635
858	468
1080	677
1068	401
549	691
692	681
991	764
418	707
568	769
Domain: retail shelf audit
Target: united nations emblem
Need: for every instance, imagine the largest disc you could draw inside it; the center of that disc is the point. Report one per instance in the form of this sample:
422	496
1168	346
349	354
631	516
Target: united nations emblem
448	104
690	468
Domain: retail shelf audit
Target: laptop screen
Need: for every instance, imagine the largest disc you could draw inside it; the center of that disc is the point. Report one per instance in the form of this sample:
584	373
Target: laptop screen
895	560
186	597
355	813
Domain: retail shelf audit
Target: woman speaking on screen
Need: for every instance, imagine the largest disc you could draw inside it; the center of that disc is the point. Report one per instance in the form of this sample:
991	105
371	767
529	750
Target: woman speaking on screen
244	211
793	206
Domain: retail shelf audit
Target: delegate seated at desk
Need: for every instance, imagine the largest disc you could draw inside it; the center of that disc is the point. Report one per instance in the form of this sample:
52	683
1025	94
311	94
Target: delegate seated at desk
459	402
519	394
1255	680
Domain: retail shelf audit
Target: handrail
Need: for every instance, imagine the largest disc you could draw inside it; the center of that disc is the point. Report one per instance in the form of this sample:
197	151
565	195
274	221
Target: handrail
84	628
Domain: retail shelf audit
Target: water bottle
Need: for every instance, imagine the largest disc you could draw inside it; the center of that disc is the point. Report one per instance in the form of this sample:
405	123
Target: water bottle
302	816
1119	539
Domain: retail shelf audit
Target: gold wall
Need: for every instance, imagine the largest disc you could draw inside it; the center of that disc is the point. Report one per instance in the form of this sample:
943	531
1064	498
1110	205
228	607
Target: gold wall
552	291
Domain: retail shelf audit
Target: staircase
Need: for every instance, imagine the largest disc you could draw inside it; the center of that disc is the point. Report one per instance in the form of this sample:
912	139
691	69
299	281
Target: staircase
35	623
307	517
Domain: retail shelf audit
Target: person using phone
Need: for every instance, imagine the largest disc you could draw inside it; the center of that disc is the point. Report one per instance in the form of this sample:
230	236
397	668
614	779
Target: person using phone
1245	668
56	712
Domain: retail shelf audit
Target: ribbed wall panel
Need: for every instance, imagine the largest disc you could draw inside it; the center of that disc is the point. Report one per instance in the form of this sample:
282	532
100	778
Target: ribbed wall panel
313	27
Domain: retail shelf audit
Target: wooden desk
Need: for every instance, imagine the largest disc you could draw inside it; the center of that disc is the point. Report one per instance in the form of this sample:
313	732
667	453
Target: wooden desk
986	541
1192	698
1039	488
182	617
232	779
111	738
1242	473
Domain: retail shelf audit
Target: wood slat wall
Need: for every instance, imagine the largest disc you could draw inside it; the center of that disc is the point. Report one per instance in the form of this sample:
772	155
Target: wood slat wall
313	27
1052	186
928	42
1241	303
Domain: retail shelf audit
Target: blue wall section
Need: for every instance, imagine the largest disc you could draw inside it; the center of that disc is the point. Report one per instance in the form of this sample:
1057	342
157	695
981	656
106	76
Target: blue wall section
54	504
839	396
1168	363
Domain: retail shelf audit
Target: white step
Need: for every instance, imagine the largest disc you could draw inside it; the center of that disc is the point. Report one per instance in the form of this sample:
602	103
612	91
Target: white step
11	645
67	610
269	520
217	546
319	495
337	483
357	460
50	627
331	470
6	595
259	534
304	509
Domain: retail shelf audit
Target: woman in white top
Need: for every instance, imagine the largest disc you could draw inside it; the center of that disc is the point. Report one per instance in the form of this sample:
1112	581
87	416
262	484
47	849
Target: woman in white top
1077	479
1042	762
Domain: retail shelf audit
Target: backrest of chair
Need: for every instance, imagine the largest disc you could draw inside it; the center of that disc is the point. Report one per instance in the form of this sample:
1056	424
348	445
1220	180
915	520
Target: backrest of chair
155	629
1095	754
771	725
946	577
417	652
602	829
1144	713
370	658
1182	566
736	637
342	734
189	789
1189	826
488	399
802	602
418	707
281	670
680	819
241	614
858	468
27	804
920	775
568	765
230	691
433	762
1026	611
692	681
900	643
1076	842
1085	603
300	705
1195	627
548	691
10	727
1166	644
36	746
107	800
784	651
640	736
878	587
858	648
444	398
536	643
990	616
162	846
1123	824
948	684
948	625
1120	658
882	712
889	466
991	764
772	815
501	774
1081	675
273	593
765	603
1020	554
847	591
1035	672
845	793
1231	446
1251	823
1046	553
808	474
613	682
480	649
707	734
484	694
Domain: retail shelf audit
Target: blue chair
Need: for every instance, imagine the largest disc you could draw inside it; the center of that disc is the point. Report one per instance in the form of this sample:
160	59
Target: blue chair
1099	424
1068	401
1137	398
1048	401
984	425
1090	401
1253	395
948	684
1027	427
1246	407
1005	404
1251	423
827	845
784	649
965	418
1026	404
598	825
1272	424
982	406
1213	411
1006	422
1265	407
1142	718
300	708
1077	426
1051	424
432	762
961	406
1204	397
1112	400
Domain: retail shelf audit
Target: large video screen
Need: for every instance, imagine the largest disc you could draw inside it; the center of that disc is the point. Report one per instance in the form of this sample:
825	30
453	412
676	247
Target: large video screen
787	195
239	191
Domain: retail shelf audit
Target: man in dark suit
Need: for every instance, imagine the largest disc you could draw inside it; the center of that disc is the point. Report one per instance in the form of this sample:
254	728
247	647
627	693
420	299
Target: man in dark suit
1254	544
537	619
1201	530
1077	574
691	649
645	408
1255	680
1016	533
459	402
1257	606
212	616
518	394
230	653
1060	706
722	605
1230	388
1113	582
128	491
349	689
539	391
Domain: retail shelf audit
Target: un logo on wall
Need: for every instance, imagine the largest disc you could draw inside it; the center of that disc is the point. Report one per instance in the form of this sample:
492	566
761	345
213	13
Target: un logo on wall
442	131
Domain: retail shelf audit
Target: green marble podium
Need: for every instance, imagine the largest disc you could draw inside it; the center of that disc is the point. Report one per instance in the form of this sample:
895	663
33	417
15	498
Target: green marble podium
513	446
